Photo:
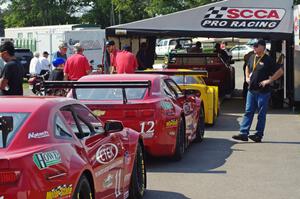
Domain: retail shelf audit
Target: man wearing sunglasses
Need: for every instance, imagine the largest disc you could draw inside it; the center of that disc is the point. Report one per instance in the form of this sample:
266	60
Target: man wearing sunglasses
11	78
261	71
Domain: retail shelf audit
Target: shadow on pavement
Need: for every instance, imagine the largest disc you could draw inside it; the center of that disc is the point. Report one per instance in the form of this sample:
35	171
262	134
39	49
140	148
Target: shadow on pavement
237	106
163	195
225	122
203	157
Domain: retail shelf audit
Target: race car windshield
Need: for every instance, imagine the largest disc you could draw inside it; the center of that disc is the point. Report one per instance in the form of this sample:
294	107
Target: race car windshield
106	94
18	119
181	80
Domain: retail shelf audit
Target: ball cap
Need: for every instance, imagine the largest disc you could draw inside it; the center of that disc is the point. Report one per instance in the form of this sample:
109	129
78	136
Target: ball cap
260	42
63	45
110	43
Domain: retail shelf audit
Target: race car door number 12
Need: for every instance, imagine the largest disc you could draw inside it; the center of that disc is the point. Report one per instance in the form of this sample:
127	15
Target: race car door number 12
147	127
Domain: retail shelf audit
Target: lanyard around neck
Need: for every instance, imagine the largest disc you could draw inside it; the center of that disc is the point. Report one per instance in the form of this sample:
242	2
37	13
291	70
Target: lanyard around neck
256	62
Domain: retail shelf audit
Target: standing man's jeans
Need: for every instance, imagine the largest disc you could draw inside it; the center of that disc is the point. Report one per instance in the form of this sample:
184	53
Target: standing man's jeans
255	101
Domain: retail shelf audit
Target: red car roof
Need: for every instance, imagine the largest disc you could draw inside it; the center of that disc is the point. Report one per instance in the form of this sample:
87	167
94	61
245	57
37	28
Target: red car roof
118	77
28	104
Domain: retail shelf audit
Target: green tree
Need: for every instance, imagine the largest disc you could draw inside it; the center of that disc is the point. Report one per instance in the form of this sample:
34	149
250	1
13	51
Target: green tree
34	12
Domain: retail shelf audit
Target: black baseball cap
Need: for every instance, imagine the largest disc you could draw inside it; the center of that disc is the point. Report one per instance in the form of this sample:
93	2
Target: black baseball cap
8	47
110	43
260	42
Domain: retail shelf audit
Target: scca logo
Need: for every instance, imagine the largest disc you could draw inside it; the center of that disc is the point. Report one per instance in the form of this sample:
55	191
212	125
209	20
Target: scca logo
243	18
253	14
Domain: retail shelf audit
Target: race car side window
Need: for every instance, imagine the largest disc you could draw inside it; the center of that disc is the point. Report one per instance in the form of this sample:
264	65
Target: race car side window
166	90
71	121
88	122
173	86
61	131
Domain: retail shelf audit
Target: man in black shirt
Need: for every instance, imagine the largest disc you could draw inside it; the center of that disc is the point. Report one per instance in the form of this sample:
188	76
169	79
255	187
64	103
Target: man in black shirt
261	71
11	78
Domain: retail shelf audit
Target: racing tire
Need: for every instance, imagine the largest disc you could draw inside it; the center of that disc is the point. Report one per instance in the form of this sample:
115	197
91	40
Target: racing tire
200	126
83	189
180	142
138	177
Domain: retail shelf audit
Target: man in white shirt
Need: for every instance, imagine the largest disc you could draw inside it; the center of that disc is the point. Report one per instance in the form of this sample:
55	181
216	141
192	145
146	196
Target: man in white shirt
35	64
45	64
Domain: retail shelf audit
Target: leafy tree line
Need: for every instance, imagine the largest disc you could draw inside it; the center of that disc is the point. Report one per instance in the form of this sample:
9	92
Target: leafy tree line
21	13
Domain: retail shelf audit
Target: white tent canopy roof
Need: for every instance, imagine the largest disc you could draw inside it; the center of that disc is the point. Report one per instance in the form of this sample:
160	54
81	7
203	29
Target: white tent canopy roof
229	18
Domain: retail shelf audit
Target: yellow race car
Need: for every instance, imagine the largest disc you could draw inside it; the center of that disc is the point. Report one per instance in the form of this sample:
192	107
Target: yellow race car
186	80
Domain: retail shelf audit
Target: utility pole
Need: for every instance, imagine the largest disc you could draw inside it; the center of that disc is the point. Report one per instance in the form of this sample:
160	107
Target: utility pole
112	15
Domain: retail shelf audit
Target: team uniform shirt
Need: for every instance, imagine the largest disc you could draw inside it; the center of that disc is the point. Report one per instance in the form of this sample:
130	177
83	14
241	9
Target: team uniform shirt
113	57
13	72
76	66
261	68
126	62
35	66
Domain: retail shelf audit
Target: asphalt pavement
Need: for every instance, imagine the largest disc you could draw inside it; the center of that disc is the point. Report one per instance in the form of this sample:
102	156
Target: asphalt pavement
221	168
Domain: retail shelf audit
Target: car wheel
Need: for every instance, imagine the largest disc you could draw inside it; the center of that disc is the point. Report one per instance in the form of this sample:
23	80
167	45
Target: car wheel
200	126
180	141
138	177
83	189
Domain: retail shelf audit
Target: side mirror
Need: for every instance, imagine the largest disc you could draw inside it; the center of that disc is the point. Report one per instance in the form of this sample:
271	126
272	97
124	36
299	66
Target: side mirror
195	92
98	128
6	126
113	126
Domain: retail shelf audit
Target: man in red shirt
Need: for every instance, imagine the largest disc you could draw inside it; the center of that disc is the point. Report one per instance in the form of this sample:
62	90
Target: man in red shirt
126	61
113	51
77	65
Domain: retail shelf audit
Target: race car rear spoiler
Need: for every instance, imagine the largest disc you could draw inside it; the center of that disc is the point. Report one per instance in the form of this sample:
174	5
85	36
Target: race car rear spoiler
104	84
202	73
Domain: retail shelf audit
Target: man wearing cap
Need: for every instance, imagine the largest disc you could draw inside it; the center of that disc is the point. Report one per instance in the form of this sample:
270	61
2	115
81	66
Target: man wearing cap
77	65
113	51
11	77
261	71
126	61
62	52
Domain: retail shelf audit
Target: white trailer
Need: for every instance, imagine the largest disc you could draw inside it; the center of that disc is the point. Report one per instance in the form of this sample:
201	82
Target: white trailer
47	38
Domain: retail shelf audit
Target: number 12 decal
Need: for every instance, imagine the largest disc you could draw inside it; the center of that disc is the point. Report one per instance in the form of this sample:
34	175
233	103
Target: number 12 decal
147	127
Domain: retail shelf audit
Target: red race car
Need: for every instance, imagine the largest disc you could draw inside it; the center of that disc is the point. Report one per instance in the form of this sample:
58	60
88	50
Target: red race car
56	148
219	73
167	117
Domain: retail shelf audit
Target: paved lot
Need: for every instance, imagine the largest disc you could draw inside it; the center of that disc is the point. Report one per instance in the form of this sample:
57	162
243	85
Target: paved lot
222	168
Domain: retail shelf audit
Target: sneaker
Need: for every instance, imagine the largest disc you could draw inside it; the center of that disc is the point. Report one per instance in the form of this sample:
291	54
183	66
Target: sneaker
255	138
240	137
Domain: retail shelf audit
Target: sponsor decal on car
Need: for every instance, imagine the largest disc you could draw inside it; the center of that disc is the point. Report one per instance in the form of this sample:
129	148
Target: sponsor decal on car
46	159
127	177
127	158
172	123
63	191
166	105
243	18
108	168
99	113
107	153
108	182
38	135
126	194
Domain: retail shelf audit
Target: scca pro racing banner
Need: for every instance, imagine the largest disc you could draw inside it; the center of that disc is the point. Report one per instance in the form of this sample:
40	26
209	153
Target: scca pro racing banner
243	18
